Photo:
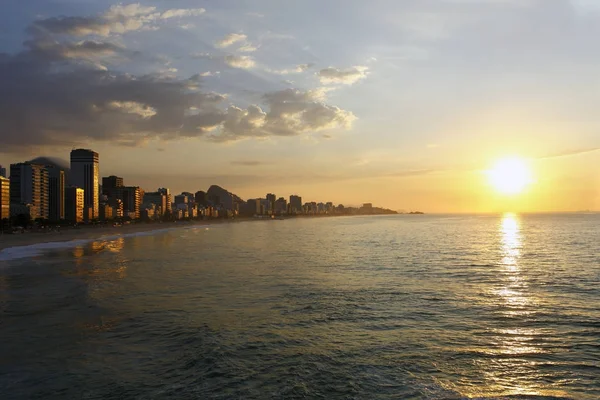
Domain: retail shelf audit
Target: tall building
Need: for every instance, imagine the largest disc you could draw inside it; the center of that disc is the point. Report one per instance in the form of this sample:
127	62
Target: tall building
74	204
271	198
158	199
112	182
132	201
295	204
200	197
85	174
56	193
4	198
29	185
167	193
3	172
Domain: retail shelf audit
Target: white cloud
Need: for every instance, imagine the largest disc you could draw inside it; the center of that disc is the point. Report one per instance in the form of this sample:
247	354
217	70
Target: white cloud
243	62
296	70
133	107
231	39
339	76
182	12
248	48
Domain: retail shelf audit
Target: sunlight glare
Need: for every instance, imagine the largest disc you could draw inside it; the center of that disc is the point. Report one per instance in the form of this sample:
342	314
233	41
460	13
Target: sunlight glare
510	176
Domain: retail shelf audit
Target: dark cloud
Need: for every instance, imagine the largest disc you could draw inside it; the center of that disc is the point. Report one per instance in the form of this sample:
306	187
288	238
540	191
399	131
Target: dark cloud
58	91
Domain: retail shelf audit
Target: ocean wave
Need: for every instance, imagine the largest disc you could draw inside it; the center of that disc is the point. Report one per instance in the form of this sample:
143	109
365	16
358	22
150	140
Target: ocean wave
33	250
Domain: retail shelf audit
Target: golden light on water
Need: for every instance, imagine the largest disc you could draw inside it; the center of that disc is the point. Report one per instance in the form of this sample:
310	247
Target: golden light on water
510	176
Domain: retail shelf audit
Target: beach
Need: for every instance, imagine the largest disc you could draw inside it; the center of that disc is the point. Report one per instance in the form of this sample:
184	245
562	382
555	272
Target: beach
100	232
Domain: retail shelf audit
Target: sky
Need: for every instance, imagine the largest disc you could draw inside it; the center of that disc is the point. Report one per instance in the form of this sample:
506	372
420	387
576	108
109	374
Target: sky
404	104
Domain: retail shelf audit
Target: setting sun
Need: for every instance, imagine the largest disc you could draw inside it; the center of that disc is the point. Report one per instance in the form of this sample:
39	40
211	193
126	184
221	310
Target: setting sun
510	176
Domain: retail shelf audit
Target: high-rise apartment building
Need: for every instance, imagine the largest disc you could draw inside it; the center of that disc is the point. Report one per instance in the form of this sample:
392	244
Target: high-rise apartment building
3	172
295	204
132	201
271	198
85	174
158	199
4	198
167	193
56	193
74	204
29	185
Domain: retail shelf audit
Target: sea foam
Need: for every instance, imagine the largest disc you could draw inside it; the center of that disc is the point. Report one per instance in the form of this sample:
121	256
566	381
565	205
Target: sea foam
33	250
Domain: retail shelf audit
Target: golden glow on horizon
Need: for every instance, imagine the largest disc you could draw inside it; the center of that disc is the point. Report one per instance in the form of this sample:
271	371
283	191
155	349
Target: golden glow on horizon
510	176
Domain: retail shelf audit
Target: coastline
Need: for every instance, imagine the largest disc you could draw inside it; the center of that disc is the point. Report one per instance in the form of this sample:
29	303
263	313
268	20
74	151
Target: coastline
91	233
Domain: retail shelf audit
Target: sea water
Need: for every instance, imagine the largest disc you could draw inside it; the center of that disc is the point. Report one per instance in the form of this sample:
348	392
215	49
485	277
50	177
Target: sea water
386	307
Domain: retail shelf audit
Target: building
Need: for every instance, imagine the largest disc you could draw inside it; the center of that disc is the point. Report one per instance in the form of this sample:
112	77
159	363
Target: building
56	193
117	207
295	204
181	199
29	185
74	204
3	172
85	174
4	198
132	201
253	206
106	212
281	206
200	197
158	199
271	199
112	182
167	193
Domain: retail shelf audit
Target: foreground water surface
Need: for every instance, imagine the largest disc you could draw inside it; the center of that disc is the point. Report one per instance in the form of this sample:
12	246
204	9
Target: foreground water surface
356	308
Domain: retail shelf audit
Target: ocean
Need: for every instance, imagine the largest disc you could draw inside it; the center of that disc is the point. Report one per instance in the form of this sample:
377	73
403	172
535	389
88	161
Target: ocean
385	307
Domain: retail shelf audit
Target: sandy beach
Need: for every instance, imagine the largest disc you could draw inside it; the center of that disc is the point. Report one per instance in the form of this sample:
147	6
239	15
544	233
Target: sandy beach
98	232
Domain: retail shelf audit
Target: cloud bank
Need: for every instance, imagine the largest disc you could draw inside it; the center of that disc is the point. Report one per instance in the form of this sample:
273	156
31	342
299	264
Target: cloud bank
57	91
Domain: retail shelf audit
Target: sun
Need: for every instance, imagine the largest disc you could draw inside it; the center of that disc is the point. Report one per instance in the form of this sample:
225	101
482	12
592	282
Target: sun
510	176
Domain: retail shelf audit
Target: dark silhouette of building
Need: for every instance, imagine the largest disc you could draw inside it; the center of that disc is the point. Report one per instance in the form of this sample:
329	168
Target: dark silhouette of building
56	193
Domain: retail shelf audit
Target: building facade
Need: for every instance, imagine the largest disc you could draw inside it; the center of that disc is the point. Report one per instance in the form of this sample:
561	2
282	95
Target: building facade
4	198
74	204
85	174
56	193
132	201
29	185
295	204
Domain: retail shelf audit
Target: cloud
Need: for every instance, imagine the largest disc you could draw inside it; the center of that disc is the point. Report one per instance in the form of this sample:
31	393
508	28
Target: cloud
249	163
243	62
181	13
231	39
57	92
290	112
118	19
296	70
338	76
570	153
248	48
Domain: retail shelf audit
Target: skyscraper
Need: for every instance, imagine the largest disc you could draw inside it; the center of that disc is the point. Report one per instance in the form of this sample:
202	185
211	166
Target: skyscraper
74	204
295	204
29	185
3	172
132	201
56	193
167	193
85	174
271	198
4	198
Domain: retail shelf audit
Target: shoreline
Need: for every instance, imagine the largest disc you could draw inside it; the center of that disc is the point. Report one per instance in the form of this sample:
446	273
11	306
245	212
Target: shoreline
15	246
91	233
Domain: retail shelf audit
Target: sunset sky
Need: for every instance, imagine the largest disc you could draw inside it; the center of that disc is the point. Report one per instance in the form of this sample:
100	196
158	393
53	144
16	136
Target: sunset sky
404	104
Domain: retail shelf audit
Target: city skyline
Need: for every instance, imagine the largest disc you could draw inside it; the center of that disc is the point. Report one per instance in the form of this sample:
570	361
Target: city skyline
410	103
